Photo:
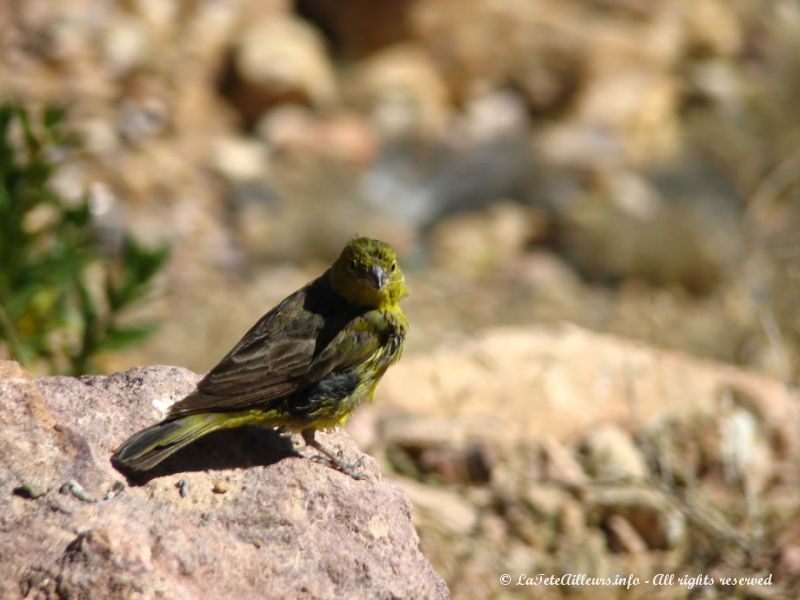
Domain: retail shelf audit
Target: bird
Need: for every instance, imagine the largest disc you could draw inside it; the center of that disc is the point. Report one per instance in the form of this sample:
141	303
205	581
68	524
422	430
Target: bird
304	366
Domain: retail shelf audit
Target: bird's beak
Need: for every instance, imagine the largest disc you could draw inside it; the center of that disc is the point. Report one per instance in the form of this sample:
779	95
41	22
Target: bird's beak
377	276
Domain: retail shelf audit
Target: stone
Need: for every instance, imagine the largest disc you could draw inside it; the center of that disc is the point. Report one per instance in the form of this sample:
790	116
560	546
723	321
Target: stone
649	517
239	159
441	507
512	384
623	537
439	447
560	465
611	454
546	501
745	454
641	105
297	132
581	146
420	183
237	514
359	28
789	561
125	44
725	38
535	57
403	92
481	242
280	59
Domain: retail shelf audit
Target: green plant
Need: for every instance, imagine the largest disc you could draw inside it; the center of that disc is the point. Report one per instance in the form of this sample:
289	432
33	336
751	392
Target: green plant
52	309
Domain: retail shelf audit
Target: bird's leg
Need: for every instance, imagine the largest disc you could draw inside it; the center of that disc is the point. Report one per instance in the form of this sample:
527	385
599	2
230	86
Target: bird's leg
334	460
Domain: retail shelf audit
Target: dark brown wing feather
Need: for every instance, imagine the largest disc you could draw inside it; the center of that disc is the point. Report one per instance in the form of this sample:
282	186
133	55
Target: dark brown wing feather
293	346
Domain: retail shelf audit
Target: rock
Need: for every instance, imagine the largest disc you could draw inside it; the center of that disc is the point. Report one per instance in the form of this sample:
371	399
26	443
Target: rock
289	129
723	39
239	159
420	183
681	446
409	432
559	464
572	523
744	452
403	92
437	447
648	514
641	105
512	384
298	132
489	114
220	487
441	507
718	81
359	27
280	59
726	440
623	536
142	115
611	454
477	243
540	59
789	561
581	146
545	501
349	137
238	514
671	229
125	44
99	136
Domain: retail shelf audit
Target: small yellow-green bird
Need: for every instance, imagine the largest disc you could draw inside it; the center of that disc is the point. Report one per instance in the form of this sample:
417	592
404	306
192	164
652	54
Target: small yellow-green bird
305	365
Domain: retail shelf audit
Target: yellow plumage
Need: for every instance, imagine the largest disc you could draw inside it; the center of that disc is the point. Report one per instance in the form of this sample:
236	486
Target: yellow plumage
305	365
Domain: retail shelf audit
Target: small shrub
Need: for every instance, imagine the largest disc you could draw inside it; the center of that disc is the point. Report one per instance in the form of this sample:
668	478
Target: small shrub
51	254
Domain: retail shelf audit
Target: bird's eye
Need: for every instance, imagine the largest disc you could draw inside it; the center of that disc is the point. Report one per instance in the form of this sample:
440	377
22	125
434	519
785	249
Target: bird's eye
393	267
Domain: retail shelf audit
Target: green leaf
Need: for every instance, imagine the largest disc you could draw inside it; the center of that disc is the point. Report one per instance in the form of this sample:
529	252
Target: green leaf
43	273
139	266
122	337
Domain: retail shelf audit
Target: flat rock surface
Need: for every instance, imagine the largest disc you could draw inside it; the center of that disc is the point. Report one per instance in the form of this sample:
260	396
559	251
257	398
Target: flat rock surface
239	514
528	383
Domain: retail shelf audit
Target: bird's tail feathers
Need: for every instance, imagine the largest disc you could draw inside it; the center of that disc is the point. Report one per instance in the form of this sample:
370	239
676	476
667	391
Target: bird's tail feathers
147	448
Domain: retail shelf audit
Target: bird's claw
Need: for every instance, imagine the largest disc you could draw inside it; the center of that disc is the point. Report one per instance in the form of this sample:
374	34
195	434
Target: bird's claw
337	462
354	469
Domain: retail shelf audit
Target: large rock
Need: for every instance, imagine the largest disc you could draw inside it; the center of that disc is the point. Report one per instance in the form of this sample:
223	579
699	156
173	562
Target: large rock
403	92
237	515
605	456
522	383
280	60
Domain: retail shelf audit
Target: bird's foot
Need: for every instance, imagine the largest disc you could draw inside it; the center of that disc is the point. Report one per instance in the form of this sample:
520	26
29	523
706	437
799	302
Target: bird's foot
352	469
335	461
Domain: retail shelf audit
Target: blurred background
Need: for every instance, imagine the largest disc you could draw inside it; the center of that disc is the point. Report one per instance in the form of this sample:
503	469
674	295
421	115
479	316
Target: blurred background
596	203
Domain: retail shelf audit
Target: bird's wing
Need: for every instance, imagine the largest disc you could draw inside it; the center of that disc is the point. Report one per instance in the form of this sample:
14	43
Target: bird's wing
287	350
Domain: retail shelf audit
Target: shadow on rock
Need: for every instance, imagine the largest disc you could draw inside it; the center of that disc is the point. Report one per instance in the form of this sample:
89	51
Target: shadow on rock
244	447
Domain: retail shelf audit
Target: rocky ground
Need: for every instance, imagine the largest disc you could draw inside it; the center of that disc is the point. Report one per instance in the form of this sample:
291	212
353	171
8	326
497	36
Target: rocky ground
242	515
522	451
629	168
529	451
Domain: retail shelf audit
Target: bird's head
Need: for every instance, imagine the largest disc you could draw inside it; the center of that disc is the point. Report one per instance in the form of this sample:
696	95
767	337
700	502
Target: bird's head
367	274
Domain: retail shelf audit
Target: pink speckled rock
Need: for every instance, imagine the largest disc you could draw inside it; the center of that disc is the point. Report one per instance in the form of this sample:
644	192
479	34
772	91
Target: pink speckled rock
249	519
